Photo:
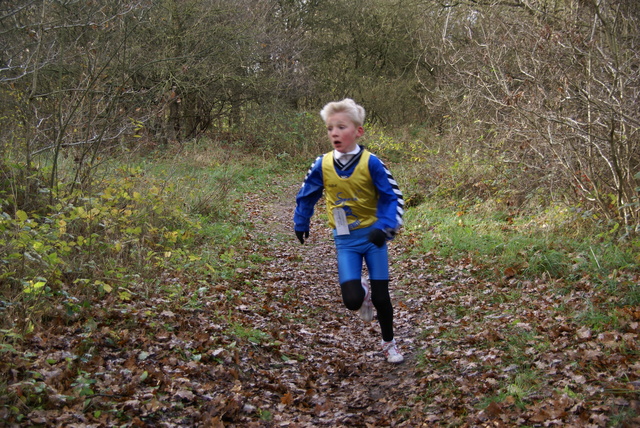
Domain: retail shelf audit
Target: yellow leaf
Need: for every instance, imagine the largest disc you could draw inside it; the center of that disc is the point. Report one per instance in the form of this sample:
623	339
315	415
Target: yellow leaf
21	215
32	287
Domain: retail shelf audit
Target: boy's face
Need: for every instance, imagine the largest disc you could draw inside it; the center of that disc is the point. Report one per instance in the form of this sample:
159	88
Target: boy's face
342	132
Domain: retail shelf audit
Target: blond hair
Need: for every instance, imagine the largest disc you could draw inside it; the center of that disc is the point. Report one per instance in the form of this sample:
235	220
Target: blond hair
355	112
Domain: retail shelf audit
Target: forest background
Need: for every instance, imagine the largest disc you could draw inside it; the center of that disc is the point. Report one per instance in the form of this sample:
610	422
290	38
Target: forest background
129	128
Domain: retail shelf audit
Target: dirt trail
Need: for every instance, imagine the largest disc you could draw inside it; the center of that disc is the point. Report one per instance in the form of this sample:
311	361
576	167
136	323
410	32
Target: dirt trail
478	353
341	374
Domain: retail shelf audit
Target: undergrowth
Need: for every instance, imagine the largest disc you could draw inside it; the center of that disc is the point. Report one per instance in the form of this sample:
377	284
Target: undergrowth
182	212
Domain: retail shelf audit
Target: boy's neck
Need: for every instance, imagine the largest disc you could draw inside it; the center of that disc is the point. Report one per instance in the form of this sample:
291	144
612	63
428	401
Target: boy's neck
355	151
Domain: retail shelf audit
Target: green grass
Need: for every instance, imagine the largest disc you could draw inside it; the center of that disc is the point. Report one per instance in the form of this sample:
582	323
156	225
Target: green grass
525	244
211	180
519	387
597	319
250	334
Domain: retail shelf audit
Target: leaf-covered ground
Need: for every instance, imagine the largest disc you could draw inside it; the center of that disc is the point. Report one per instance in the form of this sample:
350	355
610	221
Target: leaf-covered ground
273	346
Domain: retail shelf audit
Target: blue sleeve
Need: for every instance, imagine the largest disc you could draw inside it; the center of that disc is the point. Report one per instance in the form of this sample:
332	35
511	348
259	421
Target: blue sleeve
390	207
308	195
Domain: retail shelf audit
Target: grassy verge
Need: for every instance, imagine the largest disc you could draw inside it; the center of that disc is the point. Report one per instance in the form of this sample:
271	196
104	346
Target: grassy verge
508	296
527	245
520	250
116	235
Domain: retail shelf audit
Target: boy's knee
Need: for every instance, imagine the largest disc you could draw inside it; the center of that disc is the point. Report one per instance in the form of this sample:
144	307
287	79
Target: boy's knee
380	300
352	294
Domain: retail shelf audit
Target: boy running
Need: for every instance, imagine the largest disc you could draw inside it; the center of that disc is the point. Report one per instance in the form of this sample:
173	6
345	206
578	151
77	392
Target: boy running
365	209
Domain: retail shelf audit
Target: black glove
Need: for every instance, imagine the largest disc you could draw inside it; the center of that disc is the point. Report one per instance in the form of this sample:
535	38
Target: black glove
302	235
377	237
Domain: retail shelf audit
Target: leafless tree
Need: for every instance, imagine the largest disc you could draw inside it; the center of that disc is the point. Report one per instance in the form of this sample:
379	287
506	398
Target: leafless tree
555	84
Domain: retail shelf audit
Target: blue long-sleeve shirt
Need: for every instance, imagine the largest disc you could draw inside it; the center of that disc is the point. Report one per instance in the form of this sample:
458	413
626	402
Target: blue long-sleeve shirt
390	205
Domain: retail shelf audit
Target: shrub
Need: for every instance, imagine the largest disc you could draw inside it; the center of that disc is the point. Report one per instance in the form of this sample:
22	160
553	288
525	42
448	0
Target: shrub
87	244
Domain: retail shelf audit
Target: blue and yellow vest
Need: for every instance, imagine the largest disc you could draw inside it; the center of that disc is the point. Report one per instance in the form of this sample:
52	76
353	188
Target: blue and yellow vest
355	194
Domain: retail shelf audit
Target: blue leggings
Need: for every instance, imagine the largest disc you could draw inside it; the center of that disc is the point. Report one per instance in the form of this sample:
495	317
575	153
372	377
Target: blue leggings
352	250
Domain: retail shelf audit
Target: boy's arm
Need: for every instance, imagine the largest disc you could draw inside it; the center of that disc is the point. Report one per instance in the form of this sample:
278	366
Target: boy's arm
308	196
390	207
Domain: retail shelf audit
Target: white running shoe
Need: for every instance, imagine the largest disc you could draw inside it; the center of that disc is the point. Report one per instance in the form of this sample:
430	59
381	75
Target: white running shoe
390	350
366	310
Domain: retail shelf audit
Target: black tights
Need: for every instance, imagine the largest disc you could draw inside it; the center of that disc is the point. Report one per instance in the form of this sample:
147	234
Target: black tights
353	296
